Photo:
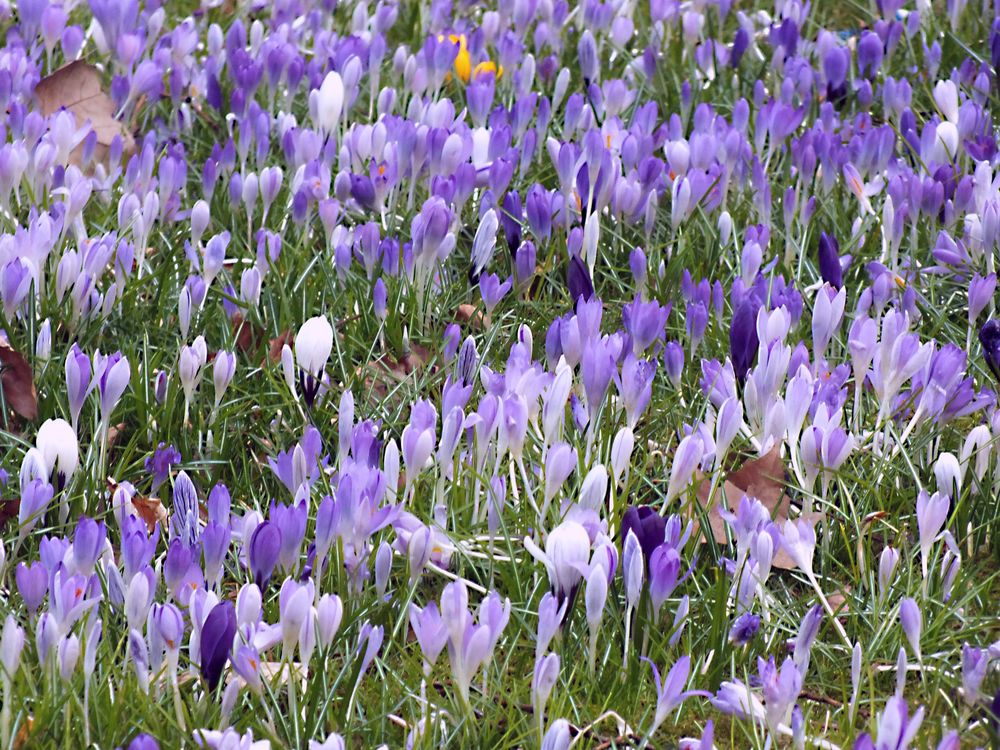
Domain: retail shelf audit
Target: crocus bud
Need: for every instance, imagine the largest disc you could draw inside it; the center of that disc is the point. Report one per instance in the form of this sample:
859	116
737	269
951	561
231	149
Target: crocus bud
217	635
11	645
265	546
68	654
295	605
329	102
380	299
418	551
383	566
912	622
544	679
313	345
329	613
58	445
43	342
200	217
223	370
632	569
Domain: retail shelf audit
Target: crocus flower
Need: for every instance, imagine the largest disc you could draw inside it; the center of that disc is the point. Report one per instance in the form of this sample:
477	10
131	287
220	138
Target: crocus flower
896	728
567	550
222	374
217	635
649	527
932	512
313	345
830	267
78	375
989	337
57	443
431	632
143	742
670	693
265	547
687	457
111	376
912	623
160	462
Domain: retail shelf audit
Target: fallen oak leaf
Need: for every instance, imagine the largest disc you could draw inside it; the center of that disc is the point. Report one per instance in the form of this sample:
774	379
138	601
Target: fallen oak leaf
77	87
150	510
275	345
763	478
18	382
470	314
248	336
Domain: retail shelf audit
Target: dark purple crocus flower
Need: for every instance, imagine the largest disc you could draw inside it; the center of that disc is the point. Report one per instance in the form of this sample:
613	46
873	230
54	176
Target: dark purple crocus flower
744	628
648	526
989	337
743	340
265	547
829	260
995	44
216	641
160	462
578	280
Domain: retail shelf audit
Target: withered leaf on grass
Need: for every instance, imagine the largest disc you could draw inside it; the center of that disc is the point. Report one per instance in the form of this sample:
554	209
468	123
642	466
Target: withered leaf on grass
277	344
387	368
247	334
470	314
763	478
151	511
77	87
8	511
18	382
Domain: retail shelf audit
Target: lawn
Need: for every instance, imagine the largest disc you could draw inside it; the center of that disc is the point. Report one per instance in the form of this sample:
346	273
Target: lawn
509	375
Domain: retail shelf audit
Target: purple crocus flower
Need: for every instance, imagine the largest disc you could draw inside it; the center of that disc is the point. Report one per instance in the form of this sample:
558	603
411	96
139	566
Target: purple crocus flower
492	290
670	692
896	728
77	381
578	280
648	526
160	462
143	742
989	337
912	623
32	584
743	340
217	635
265	547
645	322
744	628
111	376
830	269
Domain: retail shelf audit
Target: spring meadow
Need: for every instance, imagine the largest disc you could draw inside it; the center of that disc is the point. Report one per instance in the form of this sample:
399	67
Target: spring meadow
523	374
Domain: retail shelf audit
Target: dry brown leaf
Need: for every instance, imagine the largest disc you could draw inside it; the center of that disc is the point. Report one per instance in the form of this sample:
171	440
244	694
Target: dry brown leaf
763	478
838	601
9	510
248	336
18	382
115	432
151	511
277	344
78	88
24	733
470	314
